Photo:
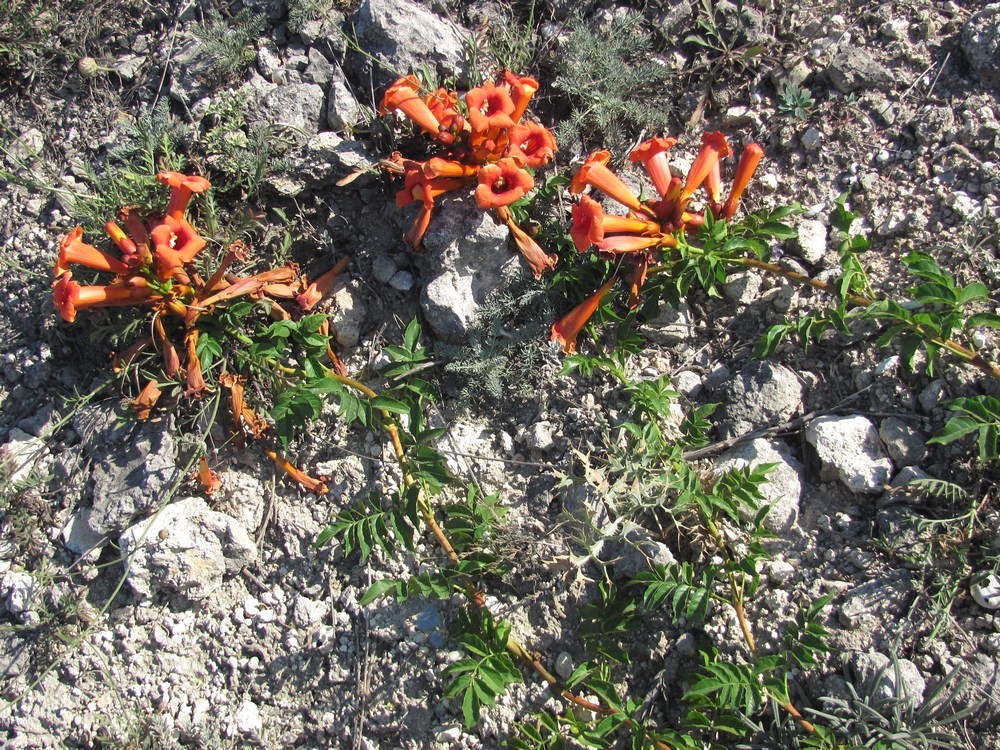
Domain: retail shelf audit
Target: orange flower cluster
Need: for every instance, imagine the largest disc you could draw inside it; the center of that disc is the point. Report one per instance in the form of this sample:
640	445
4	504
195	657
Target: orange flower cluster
483	142
650	227
155	268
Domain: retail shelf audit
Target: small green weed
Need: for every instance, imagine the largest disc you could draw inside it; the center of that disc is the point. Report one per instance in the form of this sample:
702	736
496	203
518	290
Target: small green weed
795	102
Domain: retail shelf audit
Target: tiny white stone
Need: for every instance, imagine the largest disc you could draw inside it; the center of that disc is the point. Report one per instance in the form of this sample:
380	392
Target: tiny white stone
986	592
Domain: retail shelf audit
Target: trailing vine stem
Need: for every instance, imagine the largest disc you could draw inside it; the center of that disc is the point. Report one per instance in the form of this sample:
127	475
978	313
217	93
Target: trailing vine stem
478	599
741	616
962	352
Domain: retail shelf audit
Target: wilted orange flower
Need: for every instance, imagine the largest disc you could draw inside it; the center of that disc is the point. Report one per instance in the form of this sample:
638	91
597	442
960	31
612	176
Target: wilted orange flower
317	290
208	479
143	403
313	485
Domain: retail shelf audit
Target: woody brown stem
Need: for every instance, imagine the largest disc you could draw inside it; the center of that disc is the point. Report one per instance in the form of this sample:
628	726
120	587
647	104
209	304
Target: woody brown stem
514	648
741	616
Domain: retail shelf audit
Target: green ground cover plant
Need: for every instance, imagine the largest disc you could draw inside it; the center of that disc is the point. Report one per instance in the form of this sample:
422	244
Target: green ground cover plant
207	325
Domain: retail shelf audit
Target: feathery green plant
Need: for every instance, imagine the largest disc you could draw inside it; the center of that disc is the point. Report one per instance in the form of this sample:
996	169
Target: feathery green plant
609	77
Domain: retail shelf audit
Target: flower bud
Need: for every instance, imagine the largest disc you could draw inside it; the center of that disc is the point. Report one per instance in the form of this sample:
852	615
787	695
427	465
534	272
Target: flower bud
87	67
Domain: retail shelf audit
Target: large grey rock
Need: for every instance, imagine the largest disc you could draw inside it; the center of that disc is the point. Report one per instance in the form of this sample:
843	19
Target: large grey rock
878	676
19	593
190	74
762	394
905	444
20	455
783	488
404	37
321	161
854	68
348	314
297	106
133	466
342	109
982	675
981	44
186	549
671	325
850	450
812	241
467	251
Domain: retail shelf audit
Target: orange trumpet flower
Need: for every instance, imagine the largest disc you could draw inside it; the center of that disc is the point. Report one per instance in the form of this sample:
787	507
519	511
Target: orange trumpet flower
751	157
70	297
502	183
490	108
182	186
404	95
595	172
713	148
532	144
653	155
73	250
568	328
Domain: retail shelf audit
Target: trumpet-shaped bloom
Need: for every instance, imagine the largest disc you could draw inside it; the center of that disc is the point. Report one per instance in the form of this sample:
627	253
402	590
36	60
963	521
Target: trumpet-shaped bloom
318	289
404	95
502	183
313	485
182	186
568	328
415	234
73	250
118	236
586	229
70	297
438	167
653	155
143	403
490	108
631	243
419	187
713	148
521	91
595	172
531	144
751	157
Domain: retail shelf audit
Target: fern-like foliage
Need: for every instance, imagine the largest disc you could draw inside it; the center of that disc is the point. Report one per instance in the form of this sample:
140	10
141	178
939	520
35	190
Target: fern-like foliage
370	524
610	79
229	45
506	342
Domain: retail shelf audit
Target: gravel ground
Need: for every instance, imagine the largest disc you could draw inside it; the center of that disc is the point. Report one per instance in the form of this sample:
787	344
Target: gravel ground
259	640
